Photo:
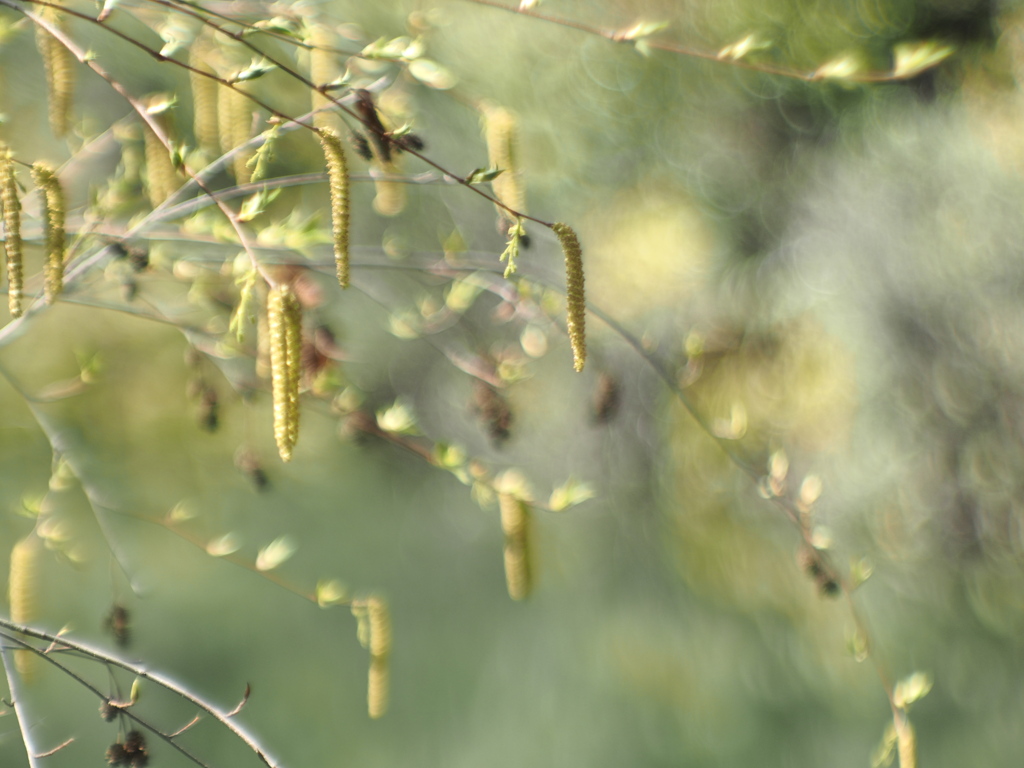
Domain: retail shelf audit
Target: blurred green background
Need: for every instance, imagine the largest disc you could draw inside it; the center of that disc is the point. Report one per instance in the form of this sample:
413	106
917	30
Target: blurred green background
831	268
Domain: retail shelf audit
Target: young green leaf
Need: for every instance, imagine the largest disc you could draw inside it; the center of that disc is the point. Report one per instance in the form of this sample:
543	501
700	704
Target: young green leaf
570	494
911	689
910	59
483	175
256	204
256	69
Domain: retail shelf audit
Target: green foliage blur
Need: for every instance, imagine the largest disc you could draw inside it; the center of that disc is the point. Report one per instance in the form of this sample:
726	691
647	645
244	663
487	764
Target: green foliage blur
827	269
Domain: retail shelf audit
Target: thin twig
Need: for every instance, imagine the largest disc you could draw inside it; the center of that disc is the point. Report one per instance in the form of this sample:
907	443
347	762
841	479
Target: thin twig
156	678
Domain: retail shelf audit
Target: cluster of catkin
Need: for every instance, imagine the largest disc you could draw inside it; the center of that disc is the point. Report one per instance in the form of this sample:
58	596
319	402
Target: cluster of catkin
501	131
222	114
284	311
53	214
375	635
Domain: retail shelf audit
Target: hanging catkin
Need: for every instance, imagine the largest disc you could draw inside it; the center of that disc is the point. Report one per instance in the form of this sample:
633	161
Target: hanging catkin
391	198
380	652
501	130
59	63
204	102
906	742
515	522
375	634
161	180
576	305
337	172
23	593
284	318
323	69
12	230
53	221
234	123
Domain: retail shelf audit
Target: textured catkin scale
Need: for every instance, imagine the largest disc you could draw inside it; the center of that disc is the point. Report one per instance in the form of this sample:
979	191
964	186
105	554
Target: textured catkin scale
204	104
576	304
23	590
501	130
337	172
515	522
53	221
60	75
234	123
284	319
12	230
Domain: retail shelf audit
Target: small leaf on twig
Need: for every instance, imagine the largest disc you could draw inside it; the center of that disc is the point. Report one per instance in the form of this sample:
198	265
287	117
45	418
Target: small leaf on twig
482	175
258	68
911	689
275	553
741	48
841	68
910	59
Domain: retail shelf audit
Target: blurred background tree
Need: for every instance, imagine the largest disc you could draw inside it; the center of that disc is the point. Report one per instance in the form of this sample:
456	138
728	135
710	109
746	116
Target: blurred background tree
800	230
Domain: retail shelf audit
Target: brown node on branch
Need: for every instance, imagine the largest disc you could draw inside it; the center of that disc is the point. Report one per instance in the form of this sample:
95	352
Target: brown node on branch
493	409
249	464
135	749
118	623
607	398
813	564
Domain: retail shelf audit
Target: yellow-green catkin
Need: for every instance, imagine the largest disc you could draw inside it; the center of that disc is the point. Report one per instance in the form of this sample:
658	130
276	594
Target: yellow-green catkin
375	633
906	742
23	594
161	176
379	684
391	198
323	69
516	523
576	304
59	63
284	318
337	172
204	103
12	231
53	221
234	124
501	130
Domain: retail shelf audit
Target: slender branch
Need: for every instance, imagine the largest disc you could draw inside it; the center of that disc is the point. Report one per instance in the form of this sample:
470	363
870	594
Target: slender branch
48	656
747	464
624	36
18	703
321	89
88	651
